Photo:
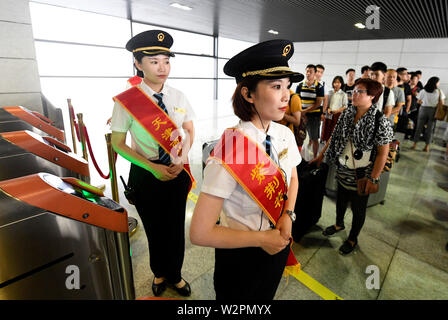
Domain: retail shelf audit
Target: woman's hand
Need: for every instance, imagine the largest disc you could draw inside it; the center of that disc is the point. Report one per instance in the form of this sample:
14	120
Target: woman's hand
318	160
162	172
175	169
273	241
370	187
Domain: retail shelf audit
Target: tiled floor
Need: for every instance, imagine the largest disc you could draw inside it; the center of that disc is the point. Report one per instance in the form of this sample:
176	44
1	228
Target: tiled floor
405	238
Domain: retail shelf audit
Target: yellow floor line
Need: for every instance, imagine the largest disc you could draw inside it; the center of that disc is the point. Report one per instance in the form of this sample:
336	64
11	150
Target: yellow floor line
315	286
301	276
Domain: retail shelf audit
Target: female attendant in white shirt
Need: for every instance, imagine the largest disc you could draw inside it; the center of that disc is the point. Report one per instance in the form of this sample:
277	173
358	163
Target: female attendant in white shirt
250	253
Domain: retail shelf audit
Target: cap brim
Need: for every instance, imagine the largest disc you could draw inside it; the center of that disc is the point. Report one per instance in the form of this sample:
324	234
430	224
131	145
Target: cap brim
293	76
156	53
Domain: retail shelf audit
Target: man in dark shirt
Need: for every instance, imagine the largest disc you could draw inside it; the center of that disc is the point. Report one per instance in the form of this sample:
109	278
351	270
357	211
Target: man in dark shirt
350	85
419	84
403	82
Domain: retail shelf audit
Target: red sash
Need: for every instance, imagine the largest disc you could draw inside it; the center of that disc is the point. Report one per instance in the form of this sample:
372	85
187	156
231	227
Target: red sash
155	121
259	176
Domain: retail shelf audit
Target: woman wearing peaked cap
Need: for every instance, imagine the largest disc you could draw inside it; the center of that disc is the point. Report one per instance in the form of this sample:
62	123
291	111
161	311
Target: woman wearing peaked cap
152	112
253	236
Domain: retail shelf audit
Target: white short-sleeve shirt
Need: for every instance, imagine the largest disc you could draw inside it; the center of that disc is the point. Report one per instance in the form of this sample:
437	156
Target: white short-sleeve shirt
179	110
337	99
390	100
430	99
238	205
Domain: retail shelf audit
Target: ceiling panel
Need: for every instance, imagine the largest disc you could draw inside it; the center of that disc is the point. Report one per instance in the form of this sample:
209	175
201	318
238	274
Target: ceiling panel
297	20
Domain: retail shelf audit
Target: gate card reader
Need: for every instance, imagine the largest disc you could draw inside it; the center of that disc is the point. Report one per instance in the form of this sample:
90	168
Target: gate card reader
44	147
11	116
68	197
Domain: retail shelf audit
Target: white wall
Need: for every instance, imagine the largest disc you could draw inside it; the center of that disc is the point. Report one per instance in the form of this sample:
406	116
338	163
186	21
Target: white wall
428	55
19	80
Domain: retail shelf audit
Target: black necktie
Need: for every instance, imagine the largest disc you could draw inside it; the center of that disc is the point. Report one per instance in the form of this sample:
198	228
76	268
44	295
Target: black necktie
163	156
268	145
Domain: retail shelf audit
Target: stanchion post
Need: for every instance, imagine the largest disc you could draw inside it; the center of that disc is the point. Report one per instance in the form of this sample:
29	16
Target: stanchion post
72	123
82	136
112	169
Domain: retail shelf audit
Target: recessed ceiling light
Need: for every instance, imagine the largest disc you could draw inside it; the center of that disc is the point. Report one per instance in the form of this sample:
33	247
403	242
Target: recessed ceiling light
273	31
360	26
180	6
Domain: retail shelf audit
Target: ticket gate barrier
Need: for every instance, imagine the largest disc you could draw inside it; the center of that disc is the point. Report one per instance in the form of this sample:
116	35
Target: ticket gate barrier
25	152
20	118
60	238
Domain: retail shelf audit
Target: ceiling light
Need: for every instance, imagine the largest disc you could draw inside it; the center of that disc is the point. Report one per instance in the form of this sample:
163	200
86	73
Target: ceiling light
273	31
180	6
360	26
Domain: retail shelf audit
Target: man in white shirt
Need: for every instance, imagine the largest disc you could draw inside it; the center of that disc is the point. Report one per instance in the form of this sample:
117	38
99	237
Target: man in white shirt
379	70
391	83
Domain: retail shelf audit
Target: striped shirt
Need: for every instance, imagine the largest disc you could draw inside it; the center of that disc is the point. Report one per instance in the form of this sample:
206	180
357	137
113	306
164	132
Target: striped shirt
309	95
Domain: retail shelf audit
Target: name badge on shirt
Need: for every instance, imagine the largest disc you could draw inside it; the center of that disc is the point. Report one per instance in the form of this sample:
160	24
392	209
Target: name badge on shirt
283	154
180	110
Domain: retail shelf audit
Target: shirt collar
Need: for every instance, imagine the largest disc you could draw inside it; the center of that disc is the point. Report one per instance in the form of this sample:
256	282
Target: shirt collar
151	92
260	134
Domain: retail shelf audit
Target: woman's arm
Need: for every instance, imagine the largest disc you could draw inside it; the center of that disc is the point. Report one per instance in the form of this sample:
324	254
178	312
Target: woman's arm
284	224
380	161
119	144
205	232
294	118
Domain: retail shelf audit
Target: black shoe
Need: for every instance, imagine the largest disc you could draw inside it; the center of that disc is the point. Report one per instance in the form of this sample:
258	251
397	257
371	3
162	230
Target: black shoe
347	248
158	289
331	230
446	247
183	291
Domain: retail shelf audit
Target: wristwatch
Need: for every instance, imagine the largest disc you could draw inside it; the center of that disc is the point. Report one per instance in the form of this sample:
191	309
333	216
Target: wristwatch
291	214
373	180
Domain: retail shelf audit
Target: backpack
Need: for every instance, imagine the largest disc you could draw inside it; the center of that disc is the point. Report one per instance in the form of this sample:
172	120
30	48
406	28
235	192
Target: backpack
385	96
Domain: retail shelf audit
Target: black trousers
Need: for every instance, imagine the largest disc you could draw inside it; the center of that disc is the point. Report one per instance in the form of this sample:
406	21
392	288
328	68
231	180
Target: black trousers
161	207
248	273
358	205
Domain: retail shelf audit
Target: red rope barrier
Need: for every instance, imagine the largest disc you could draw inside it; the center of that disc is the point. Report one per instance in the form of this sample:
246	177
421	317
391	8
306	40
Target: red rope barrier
93	157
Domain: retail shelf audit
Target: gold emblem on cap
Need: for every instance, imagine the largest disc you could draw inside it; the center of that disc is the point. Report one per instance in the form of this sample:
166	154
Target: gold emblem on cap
286	50
161	37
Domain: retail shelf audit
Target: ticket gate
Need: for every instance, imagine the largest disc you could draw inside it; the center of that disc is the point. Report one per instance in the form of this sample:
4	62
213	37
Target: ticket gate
25	152
60	238
19	118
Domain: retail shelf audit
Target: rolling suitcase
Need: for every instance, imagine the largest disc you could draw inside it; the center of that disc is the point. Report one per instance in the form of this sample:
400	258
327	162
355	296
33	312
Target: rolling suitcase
308	207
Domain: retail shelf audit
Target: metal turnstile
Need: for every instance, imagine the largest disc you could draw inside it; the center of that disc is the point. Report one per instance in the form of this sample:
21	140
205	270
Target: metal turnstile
60	238
25	152
19	118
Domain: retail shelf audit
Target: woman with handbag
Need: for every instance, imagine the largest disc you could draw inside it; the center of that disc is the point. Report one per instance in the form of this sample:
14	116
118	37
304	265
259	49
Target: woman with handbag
430	98
359	148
